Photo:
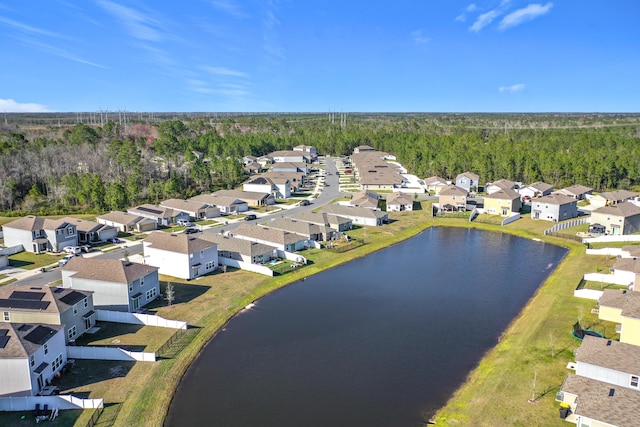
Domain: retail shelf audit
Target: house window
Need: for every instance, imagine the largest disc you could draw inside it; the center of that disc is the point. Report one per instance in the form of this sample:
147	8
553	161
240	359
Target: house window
86	302
46	348
151	293
56	363
75	309
634	381
32	360
210	265
131	287
142	281
72	332
7	316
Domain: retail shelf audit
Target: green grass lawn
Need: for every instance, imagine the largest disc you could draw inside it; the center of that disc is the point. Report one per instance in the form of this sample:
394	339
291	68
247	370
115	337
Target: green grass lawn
29	260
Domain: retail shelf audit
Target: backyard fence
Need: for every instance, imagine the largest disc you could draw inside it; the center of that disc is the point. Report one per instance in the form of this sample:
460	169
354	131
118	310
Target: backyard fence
567	224
510	219
95	416
63	401
138	319
351	244
618	252
109	353
613	238
255	268
176	342
564	236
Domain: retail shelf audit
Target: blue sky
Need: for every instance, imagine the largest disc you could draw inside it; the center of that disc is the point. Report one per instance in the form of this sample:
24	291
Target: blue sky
320	56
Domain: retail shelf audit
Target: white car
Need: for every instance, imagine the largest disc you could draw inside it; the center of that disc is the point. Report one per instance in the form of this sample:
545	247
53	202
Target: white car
74	250
65	260
184	223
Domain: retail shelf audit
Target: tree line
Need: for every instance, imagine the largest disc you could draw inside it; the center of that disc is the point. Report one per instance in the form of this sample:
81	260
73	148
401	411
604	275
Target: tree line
85	168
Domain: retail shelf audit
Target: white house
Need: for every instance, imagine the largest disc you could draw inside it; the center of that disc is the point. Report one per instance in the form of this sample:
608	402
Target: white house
399	202
30	357
610	361
361	216
537	189
116	284
261	184
180	255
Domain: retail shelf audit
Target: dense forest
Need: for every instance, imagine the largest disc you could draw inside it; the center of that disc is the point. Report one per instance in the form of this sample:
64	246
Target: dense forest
70	164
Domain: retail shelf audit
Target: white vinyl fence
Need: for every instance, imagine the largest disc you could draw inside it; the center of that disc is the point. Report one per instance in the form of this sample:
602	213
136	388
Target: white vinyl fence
255	268
109	353
509	220
614	279
608	252
291	256
138	319
28	403
613	238
587	294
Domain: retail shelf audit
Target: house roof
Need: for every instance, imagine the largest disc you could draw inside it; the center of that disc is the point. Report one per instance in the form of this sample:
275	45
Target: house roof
364	148
152	210
322	218
218	200
297	165
452	190
617	195
576	190
624	210
108	270
184	205
300	227
503	194
610	354
373	170
288	153
365	199
540	186
243	195
597	401
353	211
555	199
614	298
268	234
283	177
125	218
180	243
241	246
23	339
40	299
399	199
504	184
435	180
87	226
627	264
469	175
34	223
260	180
633	250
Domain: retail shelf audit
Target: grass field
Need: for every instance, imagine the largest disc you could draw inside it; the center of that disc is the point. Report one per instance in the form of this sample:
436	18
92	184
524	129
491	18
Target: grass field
497	393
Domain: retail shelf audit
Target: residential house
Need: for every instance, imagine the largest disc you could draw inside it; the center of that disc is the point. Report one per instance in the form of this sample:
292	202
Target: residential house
247	160
193	208
453	197
374	173
290	156
163	216
4	260
226	204
628	270
265	161
502	202
30	357
241	249
468	181
364	199
70	308
434	184
609	198
253	168
598	404
36	234
116	284
336	222
622	307
399	202
309	150
91	231
296	179
620	218
308	230
260	184
363	148
610	361
501	184
251	198
127	223
361	216
295	167
180	255
554	207
631	251
280	239
578	192
537	189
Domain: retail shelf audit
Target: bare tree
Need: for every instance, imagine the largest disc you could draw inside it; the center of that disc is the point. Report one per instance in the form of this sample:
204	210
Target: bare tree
169	294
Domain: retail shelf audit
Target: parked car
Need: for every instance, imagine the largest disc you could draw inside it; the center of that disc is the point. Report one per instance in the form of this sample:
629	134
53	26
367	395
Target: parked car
250	217
65	260
72	250
305	202
115	240
184	223
191	230
85	248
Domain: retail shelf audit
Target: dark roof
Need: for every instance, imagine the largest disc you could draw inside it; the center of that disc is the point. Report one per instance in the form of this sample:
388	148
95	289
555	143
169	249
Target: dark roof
73	297
40	334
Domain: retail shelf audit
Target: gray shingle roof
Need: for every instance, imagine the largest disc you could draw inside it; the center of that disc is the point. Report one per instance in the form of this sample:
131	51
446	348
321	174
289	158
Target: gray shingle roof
399	199
503	194
610	354
267	234
627	264
17	345
353	211
322	218
241	246
624	210
108	270
45	294
555	199
125	218
180	243
452	190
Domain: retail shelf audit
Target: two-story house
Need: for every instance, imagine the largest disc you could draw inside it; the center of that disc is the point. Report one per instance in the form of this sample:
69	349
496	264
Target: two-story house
180	255
116	284
468	181
36	234
503	202
453	197
620	218
554	207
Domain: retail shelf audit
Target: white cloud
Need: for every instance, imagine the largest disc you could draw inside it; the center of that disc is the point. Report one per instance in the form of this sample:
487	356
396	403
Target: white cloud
511	89
230	7
28	28
525	14
11	106
483	20
419	37
138	24
221	71
463	16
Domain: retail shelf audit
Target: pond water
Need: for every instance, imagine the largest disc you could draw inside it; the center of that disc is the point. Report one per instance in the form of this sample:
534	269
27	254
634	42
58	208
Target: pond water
380	341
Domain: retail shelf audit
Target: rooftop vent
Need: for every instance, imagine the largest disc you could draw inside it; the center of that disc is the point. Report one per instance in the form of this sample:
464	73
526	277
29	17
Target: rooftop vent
612	391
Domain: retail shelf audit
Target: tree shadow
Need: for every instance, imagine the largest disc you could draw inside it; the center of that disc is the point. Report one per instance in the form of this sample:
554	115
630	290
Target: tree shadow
108	330
19	263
